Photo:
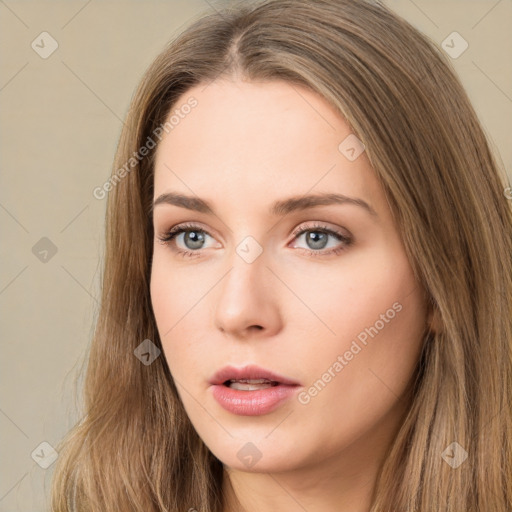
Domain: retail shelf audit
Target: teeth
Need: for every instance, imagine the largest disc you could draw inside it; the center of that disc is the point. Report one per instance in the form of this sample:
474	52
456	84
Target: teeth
241	386
251	384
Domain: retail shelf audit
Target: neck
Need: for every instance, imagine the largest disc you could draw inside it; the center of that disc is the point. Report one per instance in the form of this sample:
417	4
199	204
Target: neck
304	490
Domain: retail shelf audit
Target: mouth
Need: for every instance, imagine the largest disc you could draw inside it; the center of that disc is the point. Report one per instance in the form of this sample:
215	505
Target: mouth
251	390
250	384
250	375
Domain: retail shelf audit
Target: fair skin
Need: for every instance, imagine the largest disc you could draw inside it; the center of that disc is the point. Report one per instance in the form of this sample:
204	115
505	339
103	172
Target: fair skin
245	146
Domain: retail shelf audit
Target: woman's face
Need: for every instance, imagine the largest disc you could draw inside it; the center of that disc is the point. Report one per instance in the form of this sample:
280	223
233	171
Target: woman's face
282	274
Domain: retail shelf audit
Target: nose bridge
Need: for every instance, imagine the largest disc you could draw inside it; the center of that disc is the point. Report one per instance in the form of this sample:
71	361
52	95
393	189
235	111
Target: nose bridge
246	298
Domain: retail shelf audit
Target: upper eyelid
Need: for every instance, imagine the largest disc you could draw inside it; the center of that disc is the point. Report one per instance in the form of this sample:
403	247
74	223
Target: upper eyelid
320	227
191	226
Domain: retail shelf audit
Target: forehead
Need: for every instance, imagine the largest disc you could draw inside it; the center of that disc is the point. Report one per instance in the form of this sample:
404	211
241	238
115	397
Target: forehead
263	119
260	138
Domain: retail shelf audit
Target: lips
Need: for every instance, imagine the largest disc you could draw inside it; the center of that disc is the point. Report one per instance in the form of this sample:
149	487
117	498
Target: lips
251	390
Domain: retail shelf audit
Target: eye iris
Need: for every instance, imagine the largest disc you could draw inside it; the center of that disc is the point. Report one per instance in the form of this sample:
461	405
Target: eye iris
317	238
195	237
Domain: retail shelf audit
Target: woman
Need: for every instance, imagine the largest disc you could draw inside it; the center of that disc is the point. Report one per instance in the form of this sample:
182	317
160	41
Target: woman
307	292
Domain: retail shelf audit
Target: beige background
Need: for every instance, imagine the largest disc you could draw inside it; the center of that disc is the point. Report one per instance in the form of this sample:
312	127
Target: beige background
60	122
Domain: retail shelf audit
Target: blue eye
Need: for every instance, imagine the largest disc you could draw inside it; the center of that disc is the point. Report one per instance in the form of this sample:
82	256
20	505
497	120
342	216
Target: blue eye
317	240
193	235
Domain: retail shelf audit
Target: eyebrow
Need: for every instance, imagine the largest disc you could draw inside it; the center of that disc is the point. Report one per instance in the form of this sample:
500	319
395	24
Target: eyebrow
279	208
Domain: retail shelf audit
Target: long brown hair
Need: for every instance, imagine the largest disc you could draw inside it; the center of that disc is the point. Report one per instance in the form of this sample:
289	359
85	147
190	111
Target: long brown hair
135	449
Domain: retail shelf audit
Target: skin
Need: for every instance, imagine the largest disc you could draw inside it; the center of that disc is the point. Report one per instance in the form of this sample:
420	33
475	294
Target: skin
244	146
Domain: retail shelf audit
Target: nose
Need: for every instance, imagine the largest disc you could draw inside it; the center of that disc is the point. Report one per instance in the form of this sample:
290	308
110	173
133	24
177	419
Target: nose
247	304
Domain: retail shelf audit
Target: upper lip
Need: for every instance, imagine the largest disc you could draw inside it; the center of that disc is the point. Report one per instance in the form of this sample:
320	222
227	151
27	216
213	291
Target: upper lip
249	372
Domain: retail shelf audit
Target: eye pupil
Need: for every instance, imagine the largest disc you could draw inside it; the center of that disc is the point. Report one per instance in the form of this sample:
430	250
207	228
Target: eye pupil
317	238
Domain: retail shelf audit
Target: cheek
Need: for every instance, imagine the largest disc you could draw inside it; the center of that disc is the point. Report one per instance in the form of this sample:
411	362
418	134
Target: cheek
175	292
361	384
362	370
338	302
178	300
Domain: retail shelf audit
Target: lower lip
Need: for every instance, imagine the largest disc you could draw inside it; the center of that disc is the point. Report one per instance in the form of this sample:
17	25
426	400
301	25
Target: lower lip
252	403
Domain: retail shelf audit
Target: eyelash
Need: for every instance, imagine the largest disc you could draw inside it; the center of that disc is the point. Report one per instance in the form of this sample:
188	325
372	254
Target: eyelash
172	233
